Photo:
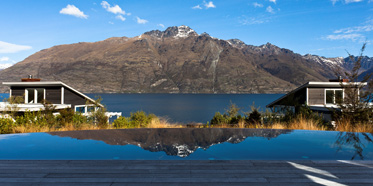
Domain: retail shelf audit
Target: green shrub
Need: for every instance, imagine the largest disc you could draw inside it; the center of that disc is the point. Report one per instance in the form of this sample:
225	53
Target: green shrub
121	122
151	117
78	120
66	116
219	119
231	116
101	118
6	125
28	118
136	120
288	117
253	117
235	119
139	119
233	110
269	118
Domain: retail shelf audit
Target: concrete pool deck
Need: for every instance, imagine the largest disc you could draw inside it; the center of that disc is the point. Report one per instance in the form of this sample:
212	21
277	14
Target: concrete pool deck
185	172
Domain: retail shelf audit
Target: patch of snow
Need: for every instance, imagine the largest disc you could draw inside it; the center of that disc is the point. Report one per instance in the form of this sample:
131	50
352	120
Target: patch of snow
6	65
183	31
338	61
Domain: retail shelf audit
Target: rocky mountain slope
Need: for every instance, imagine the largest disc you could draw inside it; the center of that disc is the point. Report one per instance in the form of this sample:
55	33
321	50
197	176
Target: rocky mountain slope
177	60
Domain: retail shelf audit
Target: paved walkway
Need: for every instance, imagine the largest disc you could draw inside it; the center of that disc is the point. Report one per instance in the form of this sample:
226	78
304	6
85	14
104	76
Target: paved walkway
140	172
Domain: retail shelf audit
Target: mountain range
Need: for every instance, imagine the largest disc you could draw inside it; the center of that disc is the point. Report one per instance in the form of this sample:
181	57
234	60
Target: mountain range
176	60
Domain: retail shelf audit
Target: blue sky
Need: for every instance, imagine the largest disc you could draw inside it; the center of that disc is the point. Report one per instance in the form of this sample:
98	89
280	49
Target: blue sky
322	27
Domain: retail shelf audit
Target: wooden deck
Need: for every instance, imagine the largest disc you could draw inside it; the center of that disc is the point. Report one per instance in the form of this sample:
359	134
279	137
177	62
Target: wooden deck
144	172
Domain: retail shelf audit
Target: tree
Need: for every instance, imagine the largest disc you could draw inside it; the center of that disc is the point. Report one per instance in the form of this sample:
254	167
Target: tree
355	106
98	114
254	117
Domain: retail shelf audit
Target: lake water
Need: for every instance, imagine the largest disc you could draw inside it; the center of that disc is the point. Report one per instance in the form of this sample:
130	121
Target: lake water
182	108
188	144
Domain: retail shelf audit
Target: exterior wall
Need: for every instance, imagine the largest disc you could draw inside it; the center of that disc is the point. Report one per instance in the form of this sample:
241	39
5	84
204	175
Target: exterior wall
301	96
53	95
316	96
297	98
73	98
18	91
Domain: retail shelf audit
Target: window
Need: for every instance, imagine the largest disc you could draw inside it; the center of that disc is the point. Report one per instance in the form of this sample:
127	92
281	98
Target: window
338	96
91	109
30	96
80	109
333	96
85	108
34	95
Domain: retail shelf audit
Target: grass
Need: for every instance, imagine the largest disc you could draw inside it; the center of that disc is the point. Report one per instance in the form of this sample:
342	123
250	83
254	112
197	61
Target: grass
301	123
297	123
305	124
155	123
277	126
347	127
68	127
162	123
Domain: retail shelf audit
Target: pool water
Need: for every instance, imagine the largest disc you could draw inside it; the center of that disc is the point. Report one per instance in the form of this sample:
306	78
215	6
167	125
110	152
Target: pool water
188	144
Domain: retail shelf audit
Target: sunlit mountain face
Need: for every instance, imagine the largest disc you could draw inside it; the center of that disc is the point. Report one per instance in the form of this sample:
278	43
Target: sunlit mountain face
176	60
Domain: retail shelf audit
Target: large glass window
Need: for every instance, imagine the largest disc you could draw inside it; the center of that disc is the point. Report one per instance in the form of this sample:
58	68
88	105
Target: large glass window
30	96
34	95
329	97
39	95
338	96
333	96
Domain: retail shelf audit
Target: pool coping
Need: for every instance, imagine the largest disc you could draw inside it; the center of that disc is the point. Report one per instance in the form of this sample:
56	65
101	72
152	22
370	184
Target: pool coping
186	172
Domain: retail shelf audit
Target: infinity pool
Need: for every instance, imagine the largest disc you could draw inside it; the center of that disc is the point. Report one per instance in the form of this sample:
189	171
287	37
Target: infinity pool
188	144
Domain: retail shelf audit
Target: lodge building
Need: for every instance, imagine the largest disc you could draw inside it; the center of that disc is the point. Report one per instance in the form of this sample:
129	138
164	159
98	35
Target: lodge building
58	94
319	96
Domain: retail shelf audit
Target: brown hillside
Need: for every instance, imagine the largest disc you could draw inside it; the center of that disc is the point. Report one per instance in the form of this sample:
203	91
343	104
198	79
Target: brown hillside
177	60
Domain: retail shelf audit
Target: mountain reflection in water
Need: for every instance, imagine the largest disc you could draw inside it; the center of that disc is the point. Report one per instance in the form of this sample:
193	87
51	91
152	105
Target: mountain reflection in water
175	142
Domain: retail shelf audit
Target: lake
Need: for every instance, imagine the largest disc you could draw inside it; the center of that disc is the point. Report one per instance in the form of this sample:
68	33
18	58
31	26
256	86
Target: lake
181	108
